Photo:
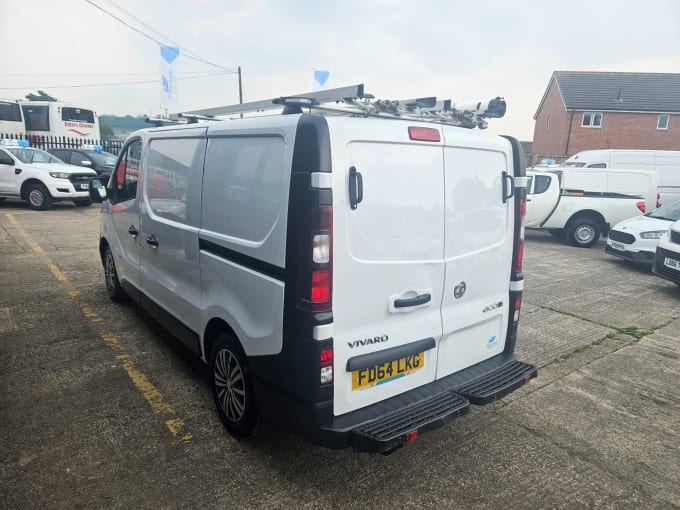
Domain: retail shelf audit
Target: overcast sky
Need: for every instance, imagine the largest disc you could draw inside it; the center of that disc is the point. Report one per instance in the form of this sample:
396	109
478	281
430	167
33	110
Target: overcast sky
466	51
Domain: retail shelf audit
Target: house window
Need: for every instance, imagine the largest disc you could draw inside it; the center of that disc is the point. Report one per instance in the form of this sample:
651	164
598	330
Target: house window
662	123
592	119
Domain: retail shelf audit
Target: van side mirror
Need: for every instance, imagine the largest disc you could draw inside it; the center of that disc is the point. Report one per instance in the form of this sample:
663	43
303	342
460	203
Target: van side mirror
97	190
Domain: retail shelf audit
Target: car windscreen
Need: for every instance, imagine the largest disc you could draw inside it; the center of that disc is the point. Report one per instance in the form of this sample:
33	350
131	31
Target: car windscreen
103	158
10	112
670	211
28	155
77	115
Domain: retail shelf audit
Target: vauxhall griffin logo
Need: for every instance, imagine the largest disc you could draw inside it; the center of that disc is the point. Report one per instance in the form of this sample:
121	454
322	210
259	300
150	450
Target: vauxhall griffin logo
459	290
368	341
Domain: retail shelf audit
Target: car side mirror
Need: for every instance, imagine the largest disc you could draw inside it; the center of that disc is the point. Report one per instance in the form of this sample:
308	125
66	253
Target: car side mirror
97	190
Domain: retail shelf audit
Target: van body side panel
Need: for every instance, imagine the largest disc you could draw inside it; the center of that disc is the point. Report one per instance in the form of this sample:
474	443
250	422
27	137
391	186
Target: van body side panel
387	258
242	240
479	246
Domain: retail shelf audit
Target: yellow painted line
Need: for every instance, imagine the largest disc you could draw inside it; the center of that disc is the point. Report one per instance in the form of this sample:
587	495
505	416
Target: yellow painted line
150	393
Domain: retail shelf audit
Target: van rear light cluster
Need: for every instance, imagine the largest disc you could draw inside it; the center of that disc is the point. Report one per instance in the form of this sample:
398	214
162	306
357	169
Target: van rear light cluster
316	286
641	205
519	254
326	363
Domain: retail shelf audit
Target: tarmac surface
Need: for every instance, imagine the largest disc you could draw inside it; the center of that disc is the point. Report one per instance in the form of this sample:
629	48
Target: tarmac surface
102	408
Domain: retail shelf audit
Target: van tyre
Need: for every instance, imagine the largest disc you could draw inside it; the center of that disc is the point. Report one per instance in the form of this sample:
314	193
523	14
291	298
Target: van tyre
583	232
232	387
38	197
113	288
83	202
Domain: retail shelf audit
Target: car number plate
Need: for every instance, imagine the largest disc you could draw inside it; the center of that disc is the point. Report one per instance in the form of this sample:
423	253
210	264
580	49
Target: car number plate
672	263
385	372
617	246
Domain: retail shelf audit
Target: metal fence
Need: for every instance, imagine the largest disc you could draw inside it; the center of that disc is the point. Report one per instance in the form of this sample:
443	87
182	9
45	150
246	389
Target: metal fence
63	142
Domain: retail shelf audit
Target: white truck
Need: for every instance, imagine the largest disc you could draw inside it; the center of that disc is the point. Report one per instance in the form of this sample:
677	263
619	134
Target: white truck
664	163
582	203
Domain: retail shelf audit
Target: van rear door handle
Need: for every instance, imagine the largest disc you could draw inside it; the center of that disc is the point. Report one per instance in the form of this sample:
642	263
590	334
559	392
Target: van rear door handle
415	301
152	241
356	187
132	231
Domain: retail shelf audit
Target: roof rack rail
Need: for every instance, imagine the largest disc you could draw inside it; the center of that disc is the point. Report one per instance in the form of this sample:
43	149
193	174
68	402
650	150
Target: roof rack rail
353	101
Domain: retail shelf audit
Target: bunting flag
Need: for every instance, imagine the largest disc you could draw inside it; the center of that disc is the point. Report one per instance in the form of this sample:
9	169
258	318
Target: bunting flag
169	71
320	80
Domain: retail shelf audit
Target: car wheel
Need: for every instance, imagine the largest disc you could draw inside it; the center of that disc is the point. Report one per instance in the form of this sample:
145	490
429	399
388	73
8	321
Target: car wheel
583	232
232	387
83	202
38	197
113	288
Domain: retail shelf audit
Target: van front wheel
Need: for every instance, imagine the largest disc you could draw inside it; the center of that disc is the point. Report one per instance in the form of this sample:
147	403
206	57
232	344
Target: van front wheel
583	232
232	387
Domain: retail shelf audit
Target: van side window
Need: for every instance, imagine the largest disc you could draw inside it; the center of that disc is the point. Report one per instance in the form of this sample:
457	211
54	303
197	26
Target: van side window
173	166
243	179
598	165
542	184
124	184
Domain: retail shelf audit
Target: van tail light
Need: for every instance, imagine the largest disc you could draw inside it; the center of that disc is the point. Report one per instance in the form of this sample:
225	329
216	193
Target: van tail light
519	252
641	205
658	199
515	309
326	364
316	286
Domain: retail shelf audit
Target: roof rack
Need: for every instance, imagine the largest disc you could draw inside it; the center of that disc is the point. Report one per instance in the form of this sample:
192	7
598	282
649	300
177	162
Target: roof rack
353	101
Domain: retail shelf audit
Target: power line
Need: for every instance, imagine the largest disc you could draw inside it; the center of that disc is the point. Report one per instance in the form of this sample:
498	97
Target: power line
198	59
81	85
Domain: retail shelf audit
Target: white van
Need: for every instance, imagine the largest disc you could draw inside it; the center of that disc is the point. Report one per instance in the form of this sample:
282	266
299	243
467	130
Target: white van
11	119
57	118
665	163
356	281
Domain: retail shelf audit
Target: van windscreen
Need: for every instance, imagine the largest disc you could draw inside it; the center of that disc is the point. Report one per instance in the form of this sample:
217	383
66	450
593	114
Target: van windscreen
10	112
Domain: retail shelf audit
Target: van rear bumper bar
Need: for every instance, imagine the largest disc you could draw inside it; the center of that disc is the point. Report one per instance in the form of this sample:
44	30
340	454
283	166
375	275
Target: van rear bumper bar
385	426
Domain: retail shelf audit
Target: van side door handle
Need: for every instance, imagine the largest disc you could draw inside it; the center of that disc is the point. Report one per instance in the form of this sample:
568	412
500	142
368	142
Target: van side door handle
132	231
415	301
356	187
152	241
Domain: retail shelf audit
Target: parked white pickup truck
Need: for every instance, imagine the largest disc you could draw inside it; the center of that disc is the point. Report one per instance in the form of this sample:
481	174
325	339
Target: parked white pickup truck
583	203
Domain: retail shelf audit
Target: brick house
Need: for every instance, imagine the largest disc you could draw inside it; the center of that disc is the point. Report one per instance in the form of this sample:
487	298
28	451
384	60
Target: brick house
593	110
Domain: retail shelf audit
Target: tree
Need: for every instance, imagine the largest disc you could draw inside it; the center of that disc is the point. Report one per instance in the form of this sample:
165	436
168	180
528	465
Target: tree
40	96
105	129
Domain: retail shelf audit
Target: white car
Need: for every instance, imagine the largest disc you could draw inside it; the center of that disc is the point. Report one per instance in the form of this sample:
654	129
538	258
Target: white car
636	238
39	178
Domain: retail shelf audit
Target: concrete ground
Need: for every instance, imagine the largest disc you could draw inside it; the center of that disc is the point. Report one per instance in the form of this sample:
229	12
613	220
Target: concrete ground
101	408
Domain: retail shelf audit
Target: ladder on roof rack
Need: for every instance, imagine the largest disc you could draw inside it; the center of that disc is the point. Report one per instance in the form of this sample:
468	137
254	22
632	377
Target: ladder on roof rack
354	102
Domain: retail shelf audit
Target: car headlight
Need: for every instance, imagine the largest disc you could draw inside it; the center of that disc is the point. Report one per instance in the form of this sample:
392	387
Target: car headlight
656	234
60	175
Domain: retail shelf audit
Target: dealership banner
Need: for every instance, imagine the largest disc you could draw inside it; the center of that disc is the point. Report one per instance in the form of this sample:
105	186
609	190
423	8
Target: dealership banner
169	72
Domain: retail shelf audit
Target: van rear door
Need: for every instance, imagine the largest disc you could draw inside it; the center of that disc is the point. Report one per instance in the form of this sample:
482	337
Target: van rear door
479	246
388	268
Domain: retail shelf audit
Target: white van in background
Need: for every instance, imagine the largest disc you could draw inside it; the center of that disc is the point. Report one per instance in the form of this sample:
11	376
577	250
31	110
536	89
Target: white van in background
11	119
665	163
356	281
56	118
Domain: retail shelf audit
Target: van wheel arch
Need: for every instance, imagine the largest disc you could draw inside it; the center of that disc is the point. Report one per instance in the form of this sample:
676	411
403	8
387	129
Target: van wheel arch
592	220
215	328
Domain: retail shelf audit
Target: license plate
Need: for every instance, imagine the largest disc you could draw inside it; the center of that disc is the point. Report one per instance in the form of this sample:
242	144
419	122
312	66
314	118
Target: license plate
85	186
380	374
672	263
617	246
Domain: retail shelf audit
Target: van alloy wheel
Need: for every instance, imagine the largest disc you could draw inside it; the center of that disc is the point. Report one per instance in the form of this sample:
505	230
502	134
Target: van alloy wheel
230	385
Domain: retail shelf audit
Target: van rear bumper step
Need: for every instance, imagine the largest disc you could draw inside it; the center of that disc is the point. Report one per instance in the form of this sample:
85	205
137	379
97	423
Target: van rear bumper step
497	383
389	431
383	426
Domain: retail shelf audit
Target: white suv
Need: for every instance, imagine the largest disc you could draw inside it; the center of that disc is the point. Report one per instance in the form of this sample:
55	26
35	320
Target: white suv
40	178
